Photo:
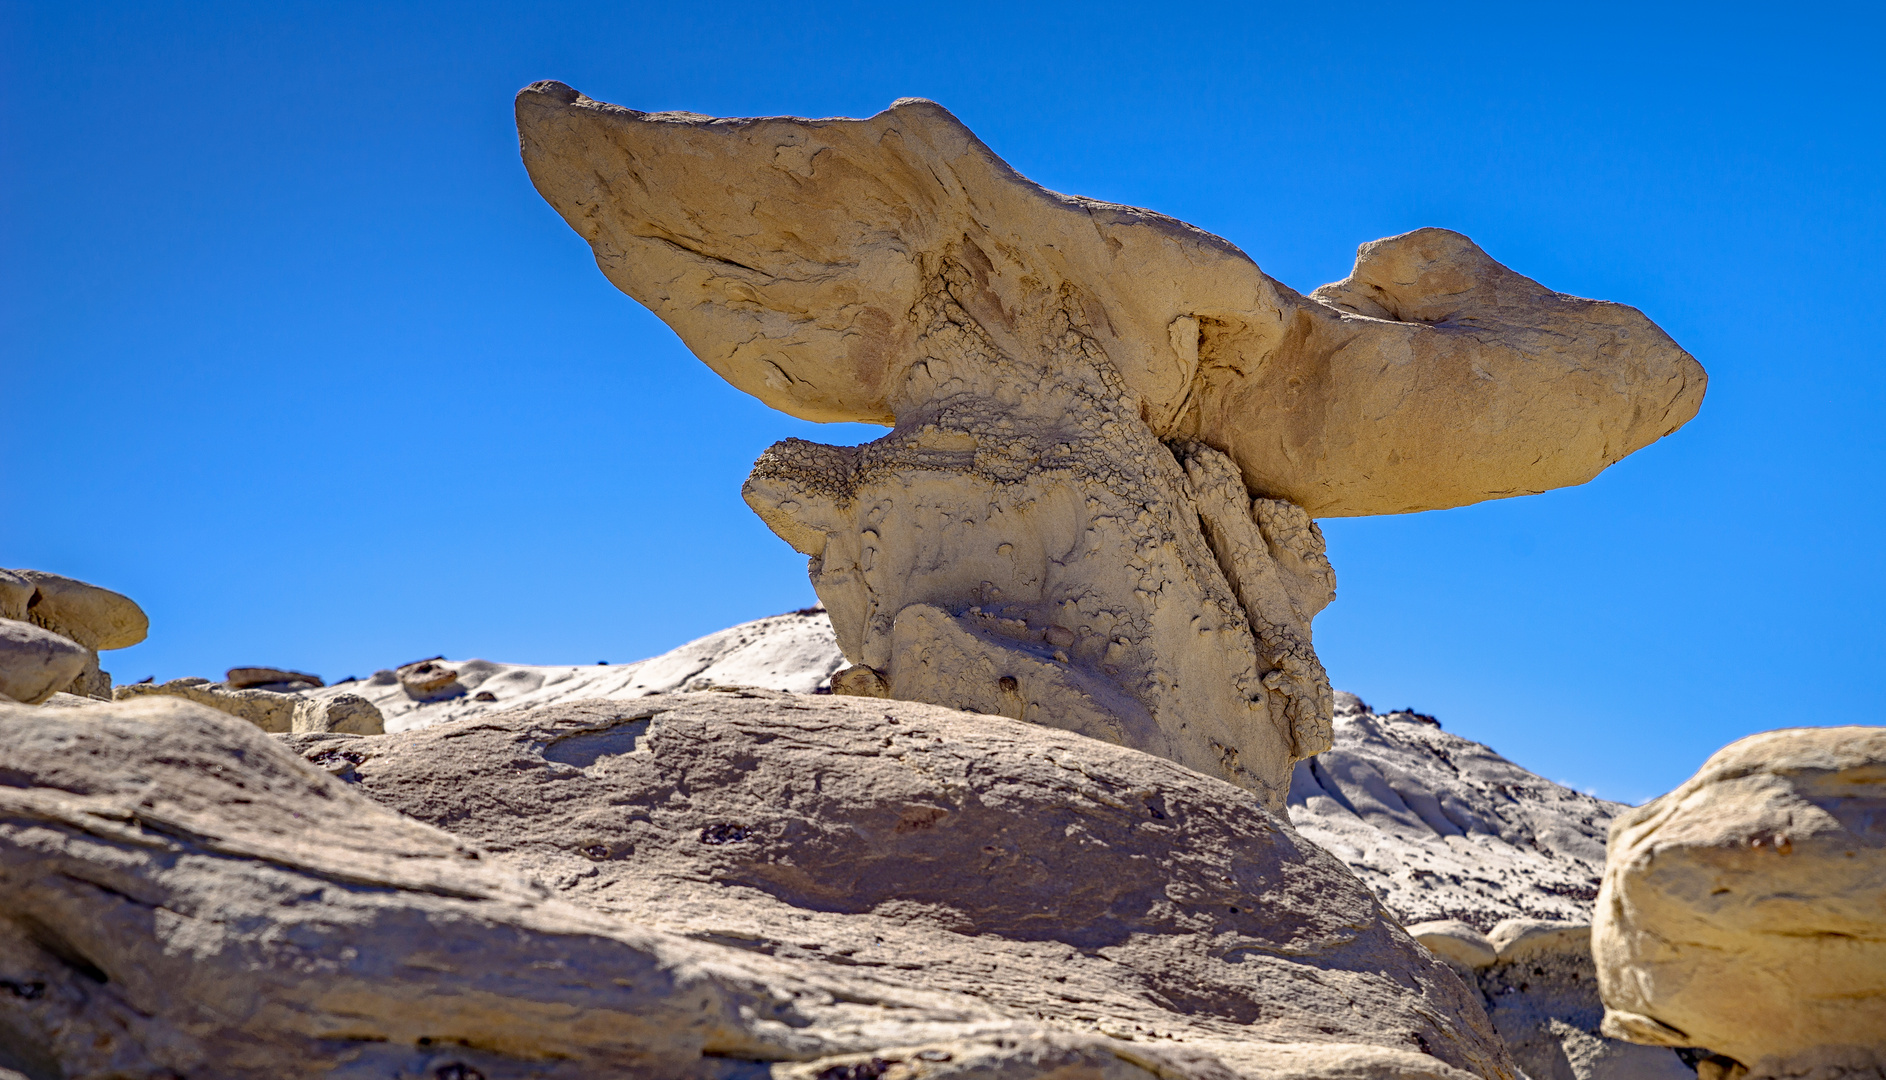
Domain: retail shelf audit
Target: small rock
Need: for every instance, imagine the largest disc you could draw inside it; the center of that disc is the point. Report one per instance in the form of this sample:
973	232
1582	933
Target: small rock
484	695
35	663
861	681
1455	942
244	678
426	679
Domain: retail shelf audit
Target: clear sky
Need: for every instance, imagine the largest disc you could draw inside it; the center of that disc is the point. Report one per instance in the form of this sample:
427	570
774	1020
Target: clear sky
294	355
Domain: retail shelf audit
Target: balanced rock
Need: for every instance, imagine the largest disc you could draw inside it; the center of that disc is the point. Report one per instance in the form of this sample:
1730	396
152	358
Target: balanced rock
1745	912
1085	887
36	663
1110	430
95	618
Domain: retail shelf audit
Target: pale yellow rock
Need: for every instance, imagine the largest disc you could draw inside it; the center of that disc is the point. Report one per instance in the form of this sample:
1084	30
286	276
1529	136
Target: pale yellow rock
95	618
1745	912
1455	942
269	710
1110	429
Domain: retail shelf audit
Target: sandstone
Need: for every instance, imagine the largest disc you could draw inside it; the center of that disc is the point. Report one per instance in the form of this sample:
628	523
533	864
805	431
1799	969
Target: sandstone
269	710
95	618
1065	880
427	679
1455	942
247	678
376	944
1743	911
36	663
1110	430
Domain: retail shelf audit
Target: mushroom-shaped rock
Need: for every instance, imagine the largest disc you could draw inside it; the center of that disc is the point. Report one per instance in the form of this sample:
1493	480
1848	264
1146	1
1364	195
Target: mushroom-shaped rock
1111	430
36	663
278	679
1745	912
791	255
95	618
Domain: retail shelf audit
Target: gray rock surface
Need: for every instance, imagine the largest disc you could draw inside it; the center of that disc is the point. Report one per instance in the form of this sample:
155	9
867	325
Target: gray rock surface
1441	827
36	663
1055	877
741	885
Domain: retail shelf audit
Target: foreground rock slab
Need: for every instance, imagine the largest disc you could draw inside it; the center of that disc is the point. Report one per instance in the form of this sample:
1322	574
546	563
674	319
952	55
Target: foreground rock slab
1745	912
181	896
1053	877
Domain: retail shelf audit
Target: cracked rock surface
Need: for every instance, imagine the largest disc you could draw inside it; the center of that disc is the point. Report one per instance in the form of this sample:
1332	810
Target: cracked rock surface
724	885
1110	431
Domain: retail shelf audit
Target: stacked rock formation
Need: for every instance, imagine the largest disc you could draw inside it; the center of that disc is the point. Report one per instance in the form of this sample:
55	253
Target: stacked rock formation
51	631
1745	912
1110	430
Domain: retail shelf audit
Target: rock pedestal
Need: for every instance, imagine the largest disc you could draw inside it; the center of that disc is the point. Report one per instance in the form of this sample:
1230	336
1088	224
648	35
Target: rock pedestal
1110	430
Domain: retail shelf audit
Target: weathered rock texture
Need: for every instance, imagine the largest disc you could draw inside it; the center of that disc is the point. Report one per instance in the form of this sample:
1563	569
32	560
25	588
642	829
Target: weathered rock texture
36	663
267	709
794	652
94	618
1541	991
1441	827
738	880
1055	877
1110	429
1745	912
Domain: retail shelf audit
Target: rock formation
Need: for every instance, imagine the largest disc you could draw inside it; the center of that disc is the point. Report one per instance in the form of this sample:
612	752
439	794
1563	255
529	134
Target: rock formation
1110	430
1745	912
1540	988
86	615
1441	827
730	882
269	709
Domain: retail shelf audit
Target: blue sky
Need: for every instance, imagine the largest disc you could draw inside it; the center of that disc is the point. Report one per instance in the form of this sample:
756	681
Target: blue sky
297	358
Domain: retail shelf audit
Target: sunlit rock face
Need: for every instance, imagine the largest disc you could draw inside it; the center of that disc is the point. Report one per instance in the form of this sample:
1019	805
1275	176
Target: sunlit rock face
1110	430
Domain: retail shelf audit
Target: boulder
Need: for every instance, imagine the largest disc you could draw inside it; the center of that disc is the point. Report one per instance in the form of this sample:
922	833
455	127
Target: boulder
1455	942
1084	886
36	663
95	618
268	709
1745	912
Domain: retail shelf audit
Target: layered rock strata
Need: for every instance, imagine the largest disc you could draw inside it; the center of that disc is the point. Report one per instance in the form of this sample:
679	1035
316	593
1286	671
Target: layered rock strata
1745	912
1110	430
733	885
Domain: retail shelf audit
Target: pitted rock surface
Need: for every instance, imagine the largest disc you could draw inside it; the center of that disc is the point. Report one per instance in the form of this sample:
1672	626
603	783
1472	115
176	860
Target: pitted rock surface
1090	887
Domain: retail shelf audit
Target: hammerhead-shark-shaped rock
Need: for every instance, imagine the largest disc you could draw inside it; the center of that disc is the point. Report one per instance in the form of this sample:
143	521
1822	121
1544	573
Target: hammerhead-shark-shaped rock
1110	431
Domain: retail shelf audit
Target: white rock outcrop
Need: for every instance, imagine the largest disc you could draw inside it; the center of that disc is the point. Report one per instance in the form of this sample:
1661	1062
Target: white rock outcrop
1745	912
1442	827
1110	430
